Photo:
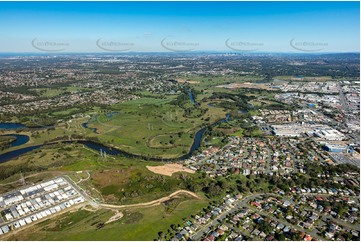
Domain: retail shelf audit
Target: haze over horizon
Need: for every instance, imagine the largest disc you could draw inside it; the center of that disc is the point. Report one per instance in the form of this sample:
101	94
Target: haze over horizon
119	27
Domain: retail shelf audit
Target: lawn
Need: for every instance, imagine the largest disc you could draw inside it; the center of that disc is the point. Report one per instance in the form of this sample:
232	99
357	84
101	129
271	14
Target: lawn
239	133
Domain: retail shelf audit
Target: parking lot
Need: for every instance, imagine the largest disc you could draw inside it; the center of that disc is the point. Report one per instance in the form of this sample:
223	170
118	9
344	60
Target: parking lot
344	159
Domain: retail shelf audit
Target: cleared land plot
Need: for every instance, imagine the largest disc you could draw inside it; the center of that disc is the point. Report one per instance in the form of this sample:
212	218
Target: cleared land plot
248	85
305	78
169	169
209	81
186	81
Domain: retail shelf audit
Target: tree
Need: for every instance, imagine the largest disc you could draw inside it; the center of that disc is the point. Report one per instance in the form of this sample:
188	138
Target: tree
160	235
280	236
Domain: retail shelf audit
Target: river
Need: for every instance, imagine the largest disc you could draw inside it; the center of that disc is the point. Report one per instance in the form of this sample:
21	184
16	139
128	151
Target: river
191	98
15	126
85	125
11	126
20	139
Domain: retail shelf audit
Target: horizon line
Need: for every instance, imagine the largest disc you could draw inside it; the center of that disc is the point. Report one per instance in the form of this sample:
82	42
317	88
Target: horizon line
181	52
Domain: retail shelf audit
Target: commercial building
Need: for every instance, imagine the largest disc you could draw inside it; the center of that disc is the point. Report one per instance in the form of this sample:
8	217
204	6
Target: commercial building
328	134
335	148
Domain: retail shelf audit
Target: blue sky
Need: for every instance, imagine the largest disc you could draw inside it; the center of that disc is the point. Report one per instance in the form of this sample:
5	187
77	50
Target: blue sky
179	26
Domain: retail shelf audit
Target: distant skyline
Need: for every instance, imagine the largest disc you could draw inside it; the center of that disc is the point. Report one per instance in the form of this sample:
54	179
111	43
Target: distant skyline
247	27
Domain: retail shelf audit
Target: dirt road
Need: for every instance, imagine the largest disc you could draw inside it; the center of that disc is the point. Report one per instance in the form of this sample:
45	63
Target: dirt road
151	203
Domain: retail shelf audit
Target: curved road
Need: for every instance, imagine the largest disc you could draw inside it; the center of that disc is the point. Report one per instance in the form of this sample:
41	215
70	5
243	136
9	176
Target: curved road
151	203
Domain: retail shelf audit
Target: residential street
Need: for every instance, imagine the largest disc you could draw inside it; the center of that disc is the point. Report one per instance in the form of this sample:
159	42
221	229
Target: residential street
244	203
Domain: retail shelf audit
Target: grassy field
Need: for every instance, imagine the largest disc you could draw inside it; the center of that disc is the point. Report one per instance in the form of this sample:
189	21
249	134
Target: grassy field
151	127
137	223
57	158
134	184
52	92
204	81
238	133
305	78
66	112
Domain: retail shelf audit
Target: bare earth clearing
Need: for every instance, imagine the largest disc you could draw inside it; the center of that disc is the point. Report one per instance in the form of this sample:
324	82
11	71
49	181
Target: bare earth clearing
169	169
186	81
118	215
247	85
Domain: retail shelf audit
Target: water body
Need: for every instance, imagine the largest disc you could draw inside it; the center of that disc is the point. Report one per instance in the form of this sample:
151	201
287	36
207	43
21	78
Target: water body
15	126
110	115
20	139
16	153
85	125
11	126
92	119
196	144
228	117
191	98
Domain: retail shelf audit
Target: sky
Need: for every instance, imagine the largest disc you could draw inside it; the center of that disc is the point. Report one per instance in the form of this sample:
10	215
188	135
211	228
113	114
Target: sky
295	27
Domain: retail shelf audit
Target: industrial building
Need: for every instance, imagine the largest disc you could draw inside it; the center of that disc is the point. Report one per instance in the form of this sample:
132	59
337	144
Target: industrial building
335	148
316	130
328	134
36	202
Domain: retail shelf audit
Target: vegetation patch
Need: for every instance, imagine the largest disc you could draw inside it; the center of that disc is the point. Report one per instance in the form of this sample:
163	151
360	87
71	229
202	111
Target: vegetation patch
171	204
132	217
133	185
67	221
